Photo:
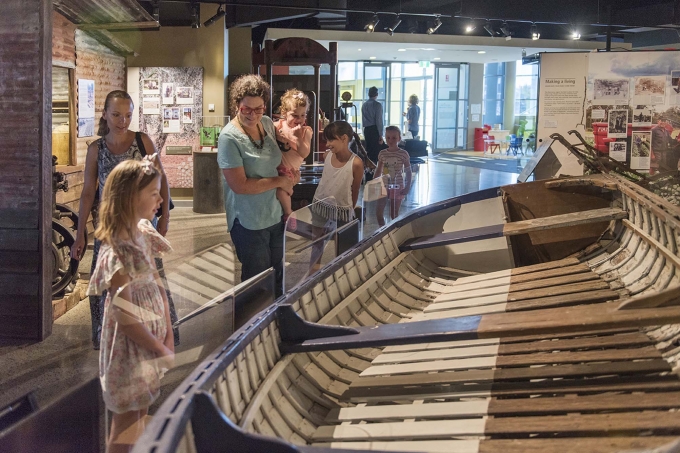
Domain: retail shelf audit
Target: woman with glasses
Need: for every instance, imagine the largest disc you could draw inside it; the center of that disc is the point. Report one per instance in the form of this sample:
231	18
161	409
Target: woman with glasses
248	155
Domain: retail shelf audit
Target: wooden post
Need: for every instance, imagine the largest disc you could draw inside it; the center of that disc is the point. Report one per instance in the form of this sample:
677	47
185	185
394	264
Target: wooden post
26	169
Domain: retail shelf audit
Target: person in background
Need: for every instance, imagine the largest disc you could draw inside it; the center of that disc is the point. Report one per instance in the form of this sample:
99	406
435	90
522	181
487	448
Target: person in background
393	162
137	345
372	120
117	144
294	139
412	115
248	155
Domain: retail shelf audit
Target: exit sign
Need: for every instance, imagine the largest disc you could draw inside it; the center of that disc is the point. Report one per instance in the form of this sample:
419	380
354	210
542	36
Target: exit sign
424	64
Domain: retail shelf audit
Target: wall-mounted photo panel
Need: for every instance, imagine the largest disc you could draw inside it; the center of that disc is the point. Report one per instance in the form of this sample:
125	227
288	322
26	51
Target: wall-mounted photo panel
618	123
650	90
167	113
175	113
172	126
168	94
151	106
617	150
151	86
640	150
642	116
185	95
611	91
187	115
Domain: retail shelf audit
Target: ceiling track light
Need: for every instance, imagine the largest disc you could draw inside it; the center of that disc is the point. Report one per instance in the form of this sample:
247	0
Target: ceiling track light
370	27
218	15
575	35
195	15
506	30
534	32
489	29
470	28
395	24
435	26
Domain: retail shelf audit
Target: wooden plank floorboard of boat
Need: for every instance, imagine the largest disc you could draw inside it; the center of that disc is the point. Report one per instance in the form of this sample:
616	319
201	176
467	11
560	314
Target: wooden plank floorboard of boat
507	407
471	292
585	295
517	279
516	389
630	340
577	425
564	371
517	271
567	445
517	360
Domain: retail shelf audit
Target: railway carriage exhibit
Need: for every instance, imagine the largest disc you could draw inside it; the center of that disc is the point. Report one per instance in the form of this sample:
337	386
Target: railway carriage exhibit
496	321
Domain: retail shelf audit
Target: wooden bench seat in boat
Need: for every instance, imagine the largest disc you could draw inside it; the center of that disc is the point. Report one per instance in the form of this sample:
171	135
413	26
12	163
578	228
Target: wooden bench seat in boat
515	228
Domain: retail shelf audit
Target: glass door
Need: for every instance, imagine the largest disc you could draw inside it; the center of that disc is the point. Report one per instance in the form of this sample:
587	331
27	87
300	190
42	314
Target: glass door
377	75
450	106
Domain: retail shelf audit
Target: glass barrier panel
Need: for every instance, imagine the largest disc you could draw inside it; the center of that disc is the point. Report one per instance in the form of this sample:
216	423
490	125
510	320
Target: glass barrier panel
373	203
139	361
309	241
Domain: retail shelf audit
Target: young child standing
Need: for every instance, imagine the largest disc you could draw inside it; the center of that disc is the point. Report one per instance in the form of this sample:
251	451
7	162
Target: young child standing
137	341
395	163
294	139
341	179
342	173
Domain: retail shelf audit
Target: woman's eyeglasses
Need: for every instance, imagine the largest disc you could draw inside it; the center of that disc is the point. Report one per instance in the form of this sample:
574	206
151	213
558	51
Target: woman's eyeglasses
249	111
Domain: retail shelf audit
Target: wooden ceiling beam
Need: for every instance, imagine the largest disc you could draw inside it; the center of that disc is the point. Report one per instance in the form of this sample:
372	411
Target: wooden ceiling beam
120	26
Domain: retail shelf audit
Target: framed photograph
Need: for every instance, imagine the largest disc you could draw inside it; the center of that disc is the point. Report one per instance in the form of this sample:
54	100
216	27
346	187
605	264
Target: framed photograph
614	90
617	150
675	82
640	150
151	106
151	86
167	113
187	115
642	116
175	113
185	95
168	95
650	90
618	124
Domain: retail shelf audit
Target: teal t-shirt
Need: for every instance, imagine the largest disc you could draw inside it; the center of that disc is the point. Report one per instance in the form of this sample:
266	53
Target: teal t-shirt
234	149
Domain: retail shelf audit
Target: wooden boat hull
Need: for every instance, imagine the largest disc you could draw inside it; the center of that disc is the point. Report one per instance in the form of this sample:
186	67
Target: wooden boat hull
403	344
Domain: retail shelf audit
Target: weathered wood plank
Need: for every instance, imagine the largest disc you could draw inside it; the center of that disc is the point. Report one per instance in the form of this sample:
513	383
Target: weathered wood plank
506	407
576	425
518	271
515	228
19	240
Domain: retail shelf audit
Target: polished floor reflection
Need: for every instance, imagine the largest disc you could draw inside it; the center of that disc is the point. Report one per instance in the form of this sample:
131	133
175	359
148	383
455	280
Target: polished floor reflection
203	266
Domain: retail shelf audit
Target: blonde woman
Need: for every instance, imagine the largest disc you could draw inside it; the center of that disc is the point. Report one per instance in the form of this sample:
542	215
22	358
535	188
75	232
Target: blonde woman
412	115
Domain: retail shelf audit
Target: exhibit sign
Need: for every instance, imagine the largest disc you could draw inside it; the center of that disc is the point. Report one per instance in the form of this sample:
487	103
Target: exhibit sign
85	108
624	104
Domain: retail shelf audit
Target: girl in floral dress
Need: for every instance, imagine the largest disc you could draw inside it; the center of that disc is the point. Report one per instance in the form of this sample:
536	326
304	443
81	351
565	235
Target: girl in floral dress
137	341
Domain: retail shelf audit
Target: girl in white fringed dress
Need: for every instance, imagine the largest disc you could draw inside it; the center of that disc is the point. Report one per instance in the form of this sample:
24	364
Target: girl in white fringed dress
137	343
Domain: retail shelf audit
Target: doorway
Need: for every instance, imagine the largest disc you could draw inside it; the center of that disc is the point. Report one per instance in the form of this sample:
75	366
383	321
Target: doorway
450	106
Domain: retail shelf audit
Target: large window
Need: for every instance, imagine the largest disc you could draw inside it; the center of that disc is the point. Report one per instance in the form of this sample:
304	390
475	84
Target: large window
494	93
404	80
526	95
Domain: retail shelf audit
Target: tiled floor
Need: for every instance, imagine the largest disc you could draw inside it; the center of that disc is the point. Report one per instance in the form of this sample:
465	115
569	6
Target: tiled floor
202	266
